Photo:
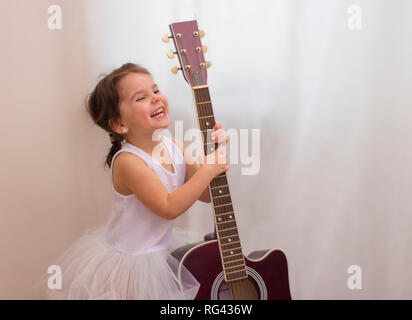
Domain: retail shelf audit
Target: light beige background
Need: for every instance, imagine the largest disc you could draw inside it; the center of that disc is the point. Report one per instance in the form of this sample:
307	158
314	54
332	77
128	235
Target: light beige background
333	106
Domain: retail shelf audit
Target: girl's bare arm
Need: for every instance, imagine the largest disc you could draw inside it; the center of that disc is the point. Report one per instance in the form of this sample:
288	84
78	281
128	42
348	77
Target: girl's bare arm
191	164
191	169
136	176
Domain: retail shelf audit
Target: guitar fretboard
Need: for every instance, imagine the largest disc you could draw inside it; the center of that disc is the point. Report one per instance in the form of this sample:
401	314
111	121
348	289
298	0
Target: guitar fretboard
227	233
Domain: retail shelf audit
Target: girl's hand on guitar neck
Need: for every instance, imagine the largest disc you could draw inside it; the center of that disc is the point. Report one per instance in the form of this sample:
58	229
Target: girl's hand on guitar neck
216	162
219	135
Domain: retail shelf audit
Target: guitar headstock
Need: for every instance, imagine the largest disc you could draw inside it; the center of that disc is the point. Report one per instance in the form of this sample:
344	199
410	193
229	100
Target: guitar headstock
186	37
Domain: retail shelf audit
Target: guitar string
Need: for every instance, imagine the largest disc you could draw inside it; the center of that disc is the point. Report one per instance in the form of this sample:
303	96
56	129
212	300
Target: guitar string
238	287
203	94
197	95
202	97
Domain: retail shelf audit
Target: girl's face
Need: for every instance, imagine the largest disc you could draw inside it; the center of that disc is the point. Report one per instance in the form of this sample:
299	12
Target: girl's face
143	108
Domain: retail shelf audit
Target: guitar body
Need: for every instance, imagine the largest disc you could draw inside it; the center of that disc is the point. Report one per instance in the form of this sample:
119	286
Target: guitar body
267	273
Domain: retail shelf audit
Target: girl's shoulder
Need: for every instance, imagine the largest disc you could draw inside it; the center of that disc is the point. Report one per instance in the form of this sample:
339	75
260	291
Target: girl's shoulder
126	159
121	166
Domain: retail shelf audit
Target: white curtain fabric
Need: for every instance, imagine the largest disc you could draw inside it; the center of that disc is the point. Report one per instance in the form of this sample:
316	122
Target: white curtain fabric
332	103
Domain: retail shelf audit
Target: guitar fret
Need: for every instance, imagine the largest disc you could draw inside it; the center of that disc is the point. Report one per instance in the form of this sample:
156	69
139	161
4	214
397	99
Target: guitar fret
230	233
230	243
227	204
240	265
219	211
202	94
203	102
230	278
206	117
208	125
234	261
233	272
220	191
233	246
225	195
219	180
219	186
228	225
227	229
233	255
228	236
229	240
221	214
231	249
222	201
226	221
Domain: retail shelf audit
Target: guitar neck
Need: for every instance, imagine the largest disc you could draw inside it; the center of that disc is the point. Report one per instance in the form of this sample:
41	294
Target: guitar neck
226	229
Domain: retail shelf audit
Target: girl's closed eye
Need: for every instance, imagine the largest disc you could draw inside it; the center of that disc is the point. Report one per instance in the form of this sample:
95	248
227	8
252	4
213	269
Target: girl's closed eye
155	92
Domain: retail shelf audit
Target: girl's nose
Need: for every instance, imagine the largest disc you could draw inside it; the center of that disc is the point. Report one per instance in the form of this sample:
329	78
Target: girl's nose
155	98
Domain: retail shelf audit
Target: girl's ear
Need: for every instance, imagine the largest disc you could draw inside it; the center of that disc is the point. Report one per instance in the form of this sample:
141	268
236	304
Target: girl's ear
115	125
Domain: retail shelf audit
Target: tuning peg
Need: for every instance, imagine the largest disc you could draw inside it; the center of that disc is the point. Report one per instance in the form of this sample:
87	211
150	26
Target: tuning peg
170	53
165	38
204	47
175	69
208	64
201	33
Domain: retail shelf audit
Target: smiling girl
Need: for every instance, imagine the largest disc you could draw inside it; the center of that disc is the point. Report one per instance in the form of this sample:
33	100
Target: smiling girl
129	258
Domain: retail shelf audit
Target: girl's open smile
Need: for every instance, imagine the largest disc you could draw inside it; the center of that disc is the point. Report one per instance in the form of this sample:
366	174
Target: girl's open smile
159	113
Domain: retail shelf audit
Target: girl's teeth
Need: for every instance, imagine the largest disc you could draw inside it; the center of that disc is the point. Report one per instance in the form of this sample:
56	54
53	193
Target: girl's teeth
158	115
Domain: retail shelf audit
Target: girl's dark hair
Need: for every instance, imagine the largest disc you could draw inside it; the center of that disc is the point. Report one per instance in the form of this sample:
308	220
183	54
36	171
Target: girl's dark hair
103	104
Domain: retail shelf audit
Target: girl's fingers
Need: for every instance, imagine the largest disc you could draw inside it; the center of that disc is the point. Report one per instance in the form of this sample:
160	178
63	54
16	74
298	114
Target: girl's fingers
221	138
216	132
219	135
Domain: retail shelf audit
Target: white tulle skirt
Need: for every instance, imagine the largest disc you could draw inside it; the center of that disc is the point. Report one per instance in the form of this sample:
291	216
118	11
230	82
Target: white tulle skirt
90	270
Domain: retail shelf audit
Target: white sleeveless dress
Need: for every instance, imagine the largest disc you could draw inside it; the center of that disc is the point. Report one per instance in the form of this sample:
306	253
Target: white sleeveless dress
129	257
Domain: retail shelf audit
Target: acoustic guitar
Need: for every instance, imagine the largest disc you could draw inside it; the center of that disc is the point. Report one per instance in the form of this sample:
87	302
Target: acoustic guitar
218	263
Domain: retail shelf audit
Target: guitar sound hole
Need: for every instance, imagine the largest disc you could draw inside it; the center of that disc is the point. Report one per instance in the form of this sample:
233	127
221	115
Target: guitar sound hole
245	289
